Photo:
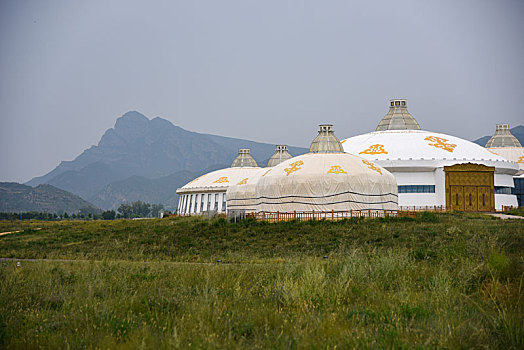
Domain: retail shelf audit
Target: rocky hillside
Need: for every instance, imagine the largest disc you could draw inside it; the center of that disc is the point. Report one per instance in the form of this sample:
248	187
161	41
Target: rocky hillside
15	197
134	159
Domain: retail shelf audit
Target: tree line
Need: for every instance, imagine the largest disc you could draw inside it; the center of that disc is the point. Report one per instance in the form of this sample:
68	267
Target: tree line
136	209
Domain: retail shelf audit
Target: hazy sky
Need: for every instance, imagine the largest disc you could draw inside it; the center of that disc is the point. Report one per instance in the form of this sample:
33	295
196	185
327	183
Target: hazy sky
263	70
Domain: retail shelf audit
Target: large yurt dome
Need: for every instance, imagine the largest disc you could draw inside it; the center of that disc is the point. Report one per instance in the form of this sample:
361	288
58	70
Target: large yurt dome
242	195
418	159
326	179
208	192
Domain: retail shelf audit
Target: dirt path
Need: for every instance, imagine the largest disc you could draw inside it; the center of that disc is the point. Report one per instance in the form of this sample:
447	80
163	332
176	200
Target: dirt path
9	232
6	233
506	216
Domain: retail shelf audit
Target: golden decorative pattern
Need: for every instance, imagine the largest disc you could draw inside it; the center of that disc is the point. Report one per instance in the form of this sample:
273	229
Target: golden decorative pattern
197	179
342	141
221	180
336	169
293	167
267	172
521	160
441	143
372	166
243	182
375	149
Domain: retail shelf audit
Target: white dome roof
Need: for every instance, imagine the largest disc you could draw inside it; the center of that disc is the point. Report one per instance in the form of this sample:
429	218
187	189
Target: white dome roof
514	154
325	182
416	145
242	194
218	181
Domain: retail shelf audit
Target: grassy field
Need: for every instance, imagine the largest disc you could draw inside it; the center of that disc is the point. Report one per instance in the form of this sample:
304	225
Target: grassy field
445	281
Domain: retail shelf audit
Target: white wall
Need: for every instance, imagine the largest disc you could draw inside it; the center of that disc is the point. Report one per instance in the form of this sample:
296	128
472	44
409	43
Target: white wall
505	200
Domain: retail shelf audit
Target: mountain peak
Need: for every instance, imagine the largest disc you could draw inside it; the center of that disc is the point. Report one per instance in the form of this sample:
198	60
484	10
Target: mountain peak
131	117
131	125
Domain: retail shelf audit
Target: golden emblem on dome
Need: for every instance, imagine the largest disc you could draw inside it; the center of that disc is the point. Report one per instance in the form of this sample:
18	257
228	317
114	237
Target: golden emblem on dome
372	166
221	180
375	149
243	182
197	179
293	167
267	172
336	169
521	160
441	143
342	141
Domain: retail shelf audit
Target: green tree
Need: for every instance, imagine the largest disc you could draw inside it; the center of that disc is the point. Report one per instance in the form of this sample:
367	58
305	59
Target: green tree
109	215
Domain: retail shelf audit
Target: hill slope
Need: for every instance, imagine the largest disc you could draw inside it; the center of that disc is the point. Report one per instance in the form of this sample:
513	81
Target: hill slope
16	197
151	149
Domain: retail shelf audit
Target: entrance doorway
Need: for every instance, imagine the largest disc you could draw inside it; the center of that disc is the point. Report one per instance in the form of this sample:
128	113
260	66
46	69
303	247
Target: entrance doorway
470	187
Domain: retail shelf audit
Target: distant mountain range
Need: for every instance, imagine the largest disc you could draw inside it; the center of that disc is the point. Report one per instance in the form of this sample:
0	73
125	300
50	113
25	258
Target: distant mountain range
517	131
142	159
15	198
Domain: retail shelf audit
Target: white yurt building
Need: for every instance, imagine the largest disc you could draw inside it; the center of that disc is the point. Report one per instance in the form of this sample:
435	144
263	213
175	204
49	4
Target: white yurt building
242	195
326	179
508	146
435	169
208	192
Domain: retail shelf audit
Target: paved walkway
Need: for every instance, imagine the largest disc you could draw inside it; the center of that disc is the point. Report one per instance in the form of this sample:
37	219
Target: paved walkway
506	216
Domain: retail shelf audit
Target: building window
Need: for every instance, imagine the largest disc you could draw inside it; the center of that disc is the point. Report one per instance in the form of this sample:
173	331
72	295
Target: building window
197	203
416	189
519	190
224	202
209	201
202	196
503	190
216	201
191	204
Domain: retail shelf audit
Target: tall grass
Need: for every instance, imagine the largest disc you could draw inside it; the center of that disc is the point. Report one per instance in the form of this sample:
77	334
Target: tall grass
453	282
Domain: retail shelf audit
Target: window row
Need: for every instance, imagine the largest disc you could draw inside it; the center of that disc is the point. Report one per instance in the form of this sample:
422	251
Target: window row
416	189
201	202
503	190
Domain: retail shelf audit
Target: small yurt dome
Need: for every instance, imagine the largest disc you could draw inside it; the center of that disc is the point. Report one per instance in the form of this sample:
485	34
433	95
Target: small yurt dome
208	192
506	145
326	179
242	195
281	154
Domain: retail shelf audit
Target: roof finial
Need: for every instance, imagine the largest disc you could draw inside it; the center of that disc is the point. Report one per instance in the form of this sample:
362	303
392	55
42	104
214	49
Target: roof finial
326	141
398	117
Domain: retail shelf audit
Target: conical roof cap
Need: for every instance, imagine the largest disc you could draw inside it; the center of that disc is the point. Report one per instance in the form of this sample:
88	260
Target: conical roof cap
326	141
281	154
244	159
398	117
503	138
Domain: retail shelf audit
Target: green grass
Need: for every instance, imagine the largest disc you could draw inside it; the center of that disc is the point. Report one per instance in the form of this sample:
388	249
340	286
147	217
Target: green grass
445	281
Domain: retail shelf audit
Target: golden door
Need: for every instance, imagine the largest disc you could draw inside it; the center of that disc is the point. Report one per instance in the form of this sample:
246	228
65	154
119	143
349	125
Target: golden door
470	198
457	197
484	198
